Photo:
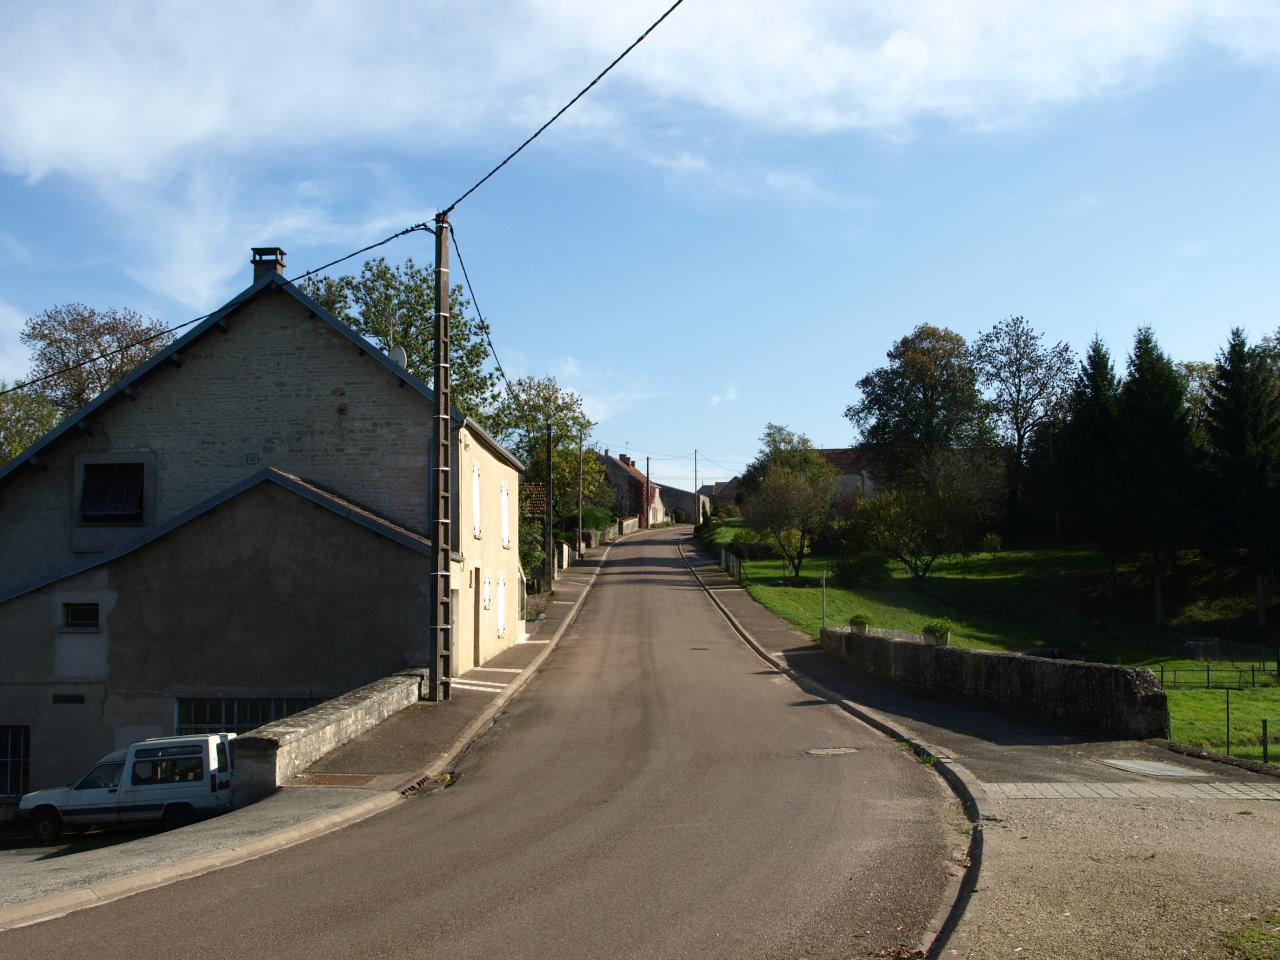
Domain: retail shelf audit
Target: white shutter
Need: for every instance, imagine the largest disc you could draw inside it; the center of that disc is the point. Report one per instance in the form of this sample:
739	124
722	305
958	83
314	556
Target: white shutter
502	605
475	498
506	516
487	597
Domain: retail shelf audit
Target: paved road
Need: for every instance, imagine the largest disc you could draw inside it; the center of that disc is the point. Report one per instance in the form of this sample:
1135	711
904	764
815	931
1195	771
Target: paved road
650	794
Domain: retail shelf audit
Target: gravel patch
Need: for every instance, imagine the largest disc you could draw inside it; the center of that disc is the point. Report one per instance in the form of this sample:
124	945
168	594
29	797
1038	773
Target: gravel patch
1121	878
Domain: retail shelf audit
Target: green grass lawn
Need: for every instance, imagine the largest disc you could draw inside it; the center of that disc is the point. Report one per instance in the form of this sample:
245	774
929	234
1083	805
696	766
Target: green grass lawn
1023	600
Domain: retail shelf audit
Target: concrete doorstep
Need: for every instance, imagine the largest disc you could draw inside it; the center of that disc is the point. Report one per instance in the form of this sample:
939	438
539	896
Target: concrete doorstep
368	774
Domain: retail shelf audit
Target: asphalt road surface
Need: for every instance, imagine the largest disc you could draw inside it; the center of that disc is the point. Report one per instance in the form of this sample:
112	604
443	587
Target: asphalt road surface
650	794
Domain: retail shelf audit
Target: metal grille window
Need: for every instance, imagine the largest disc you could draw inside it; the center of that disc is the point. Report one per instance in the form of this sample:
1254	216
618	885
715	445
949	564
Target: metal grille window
236	714
15	761
111	493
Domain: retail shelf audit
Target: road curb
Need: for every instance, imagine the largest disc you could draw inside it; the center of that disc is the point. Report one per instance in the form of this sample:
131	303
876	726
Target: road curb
70	901
958	778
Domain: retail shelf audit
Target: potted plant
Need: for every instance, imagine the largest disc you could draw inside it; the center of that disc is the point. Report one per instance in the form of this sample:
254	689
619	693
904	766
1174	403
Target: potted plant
937	632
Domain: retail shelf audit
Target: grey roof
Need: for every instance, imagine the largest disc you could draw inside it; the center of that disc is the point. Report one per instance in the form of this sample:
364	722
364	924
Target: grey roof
331	502
219	318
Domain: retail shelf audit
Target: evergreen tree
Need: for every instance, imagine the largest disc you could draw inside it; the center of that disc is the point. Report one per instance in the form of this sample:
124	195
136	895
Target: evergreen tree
1242	422
1088	463
1157	459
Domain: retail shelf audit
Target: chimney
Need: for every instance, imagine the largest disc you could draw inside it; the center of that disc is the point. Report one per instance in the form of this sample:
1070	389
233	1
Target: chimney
266	261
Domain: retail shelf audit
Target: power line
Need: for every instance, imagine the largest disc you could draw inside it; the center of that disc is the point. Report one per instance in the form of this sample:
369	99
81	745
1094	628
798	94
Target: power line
559	113
186	323
484	324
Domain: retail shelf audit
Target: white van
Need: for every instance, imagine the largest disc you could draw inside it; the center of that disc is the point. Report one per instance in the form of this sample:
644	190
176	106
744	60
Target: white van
171	779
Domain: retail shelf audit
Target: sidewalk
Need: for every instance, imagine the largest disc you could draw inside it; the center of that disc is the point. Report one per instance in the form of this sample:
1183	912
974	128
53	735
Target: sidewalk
407	751
1078	858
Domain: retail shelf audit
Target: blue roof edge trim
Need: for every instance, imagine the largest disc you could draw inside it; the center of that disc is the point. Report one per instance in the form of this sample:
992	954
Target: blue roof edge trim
243	298
266	475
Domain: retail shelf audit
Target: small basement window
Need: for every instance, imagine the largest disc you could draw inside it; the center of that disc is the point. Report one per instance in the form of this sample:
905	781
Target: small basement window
111	493
68	698
80	615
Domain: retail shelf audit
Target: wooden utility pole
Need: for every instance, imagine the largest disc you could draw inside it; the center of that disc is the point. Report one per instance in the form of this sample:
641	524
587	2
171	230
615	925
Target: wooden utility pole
441	665
548	536
697	500
578	547
648	492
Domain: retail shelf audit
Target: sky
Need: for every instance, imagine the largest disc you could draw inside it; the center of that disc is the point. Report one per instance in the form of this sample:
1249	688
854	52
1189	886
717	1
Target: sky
729	230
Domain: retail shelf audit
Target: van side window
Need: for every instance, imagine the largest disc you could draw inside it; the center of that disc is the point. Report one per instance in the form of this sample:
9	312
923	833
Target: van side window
102	776
222	756
167	770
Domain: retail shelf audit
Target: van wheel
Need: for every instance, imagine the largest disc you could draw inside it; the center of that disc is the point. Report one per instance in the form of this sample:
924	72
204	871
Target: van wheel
178	815
47	825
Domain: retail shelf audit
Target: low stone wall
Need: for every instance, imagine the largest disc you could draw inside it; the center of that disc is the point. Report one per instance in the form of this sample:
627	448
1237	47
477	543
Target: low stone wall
271	754
1125	702
628	525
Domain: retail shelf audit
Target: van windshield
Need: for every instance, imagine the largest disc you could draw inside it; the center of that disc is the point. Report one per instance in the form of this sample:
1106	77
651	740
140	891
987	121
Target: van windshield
102	776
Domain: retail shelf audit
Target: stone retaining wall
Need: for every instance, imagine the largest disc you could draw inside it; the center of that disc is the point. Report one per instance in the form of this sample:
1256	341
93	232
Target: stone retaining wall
271	754
1125	702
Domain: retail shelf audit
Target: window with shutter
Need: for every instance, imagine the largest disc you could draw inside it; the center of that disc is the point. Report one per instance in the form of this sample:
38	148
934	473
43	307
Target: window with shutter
502	606
475	499
505	505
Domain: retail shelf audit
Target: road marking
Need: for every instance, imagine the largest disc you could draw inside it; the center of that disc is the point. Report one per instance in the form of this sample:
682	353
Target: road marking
480	685
831	751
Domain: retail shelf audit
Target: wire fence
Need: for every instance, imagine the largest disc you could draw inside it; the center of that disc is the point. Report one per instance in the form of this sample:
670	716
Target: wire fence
1264	674
1237	730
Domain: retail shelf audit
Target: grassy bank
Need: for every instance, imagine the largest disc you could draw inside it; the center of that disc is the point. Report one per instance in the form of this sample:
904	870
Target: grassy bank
1027	600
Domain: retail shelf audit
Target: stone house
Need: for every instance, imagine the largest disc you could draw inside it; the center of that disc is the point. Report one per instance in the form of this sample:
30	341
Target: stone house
235	531
629	484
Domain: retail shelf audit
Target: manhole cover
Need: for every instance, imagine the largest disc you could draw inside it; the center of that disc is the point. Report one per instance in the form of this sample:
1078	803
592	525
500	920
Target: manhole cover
830	751
1153	768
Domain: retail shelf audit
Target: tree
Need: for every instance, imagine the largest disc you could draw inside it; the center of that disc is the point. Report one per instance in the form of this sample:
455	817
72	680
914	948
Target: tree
25	416
789	509
1028	383
1089	447
919	408
395	305
1156	458
915	527
781	447
83	351
1242	423
521	420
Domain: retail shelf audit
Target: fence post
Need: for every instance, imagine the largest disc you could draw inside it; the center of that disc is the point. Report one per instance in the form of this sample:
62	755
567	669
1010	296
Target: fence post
1253	676
1228	721
1162	674
1265	742
1207	681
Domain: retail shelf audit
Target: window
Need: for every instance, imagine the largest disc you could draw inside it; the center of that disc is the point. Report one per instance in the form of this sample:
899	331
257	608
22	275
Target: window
486	597
15	760
505	504
236	714
68	698
102	777
111	493
475	499
80	615
149	769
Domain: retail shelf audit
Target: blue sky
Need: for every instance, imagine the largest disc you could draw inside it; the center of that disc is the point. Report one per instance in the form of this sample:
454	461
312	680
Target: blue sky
730	230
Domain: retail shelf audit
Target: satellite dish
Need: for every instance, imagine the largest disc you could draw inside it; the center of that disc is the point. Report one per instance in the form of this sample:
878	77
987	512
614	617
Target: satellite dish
399	357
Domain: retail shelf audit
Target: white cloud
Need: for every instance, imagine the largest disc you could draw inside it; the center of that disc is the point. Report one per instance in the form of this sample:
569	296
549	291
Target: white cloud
171	114
728	396
605	392
130	90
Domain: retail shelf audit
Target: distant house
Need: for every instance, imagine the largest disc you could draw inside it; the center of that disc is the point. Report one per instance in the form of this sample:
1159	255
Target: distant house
629	490
687	502
722	494
850	465
238	529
